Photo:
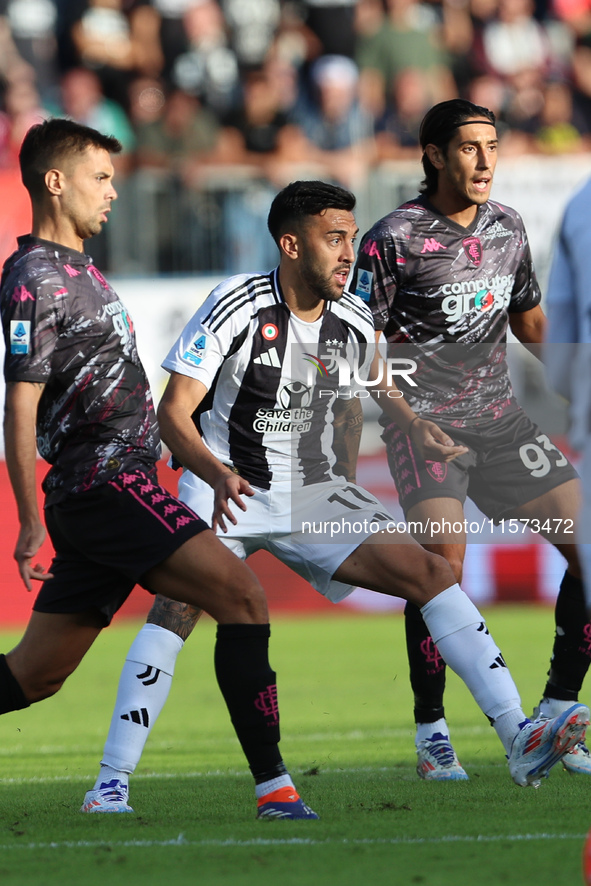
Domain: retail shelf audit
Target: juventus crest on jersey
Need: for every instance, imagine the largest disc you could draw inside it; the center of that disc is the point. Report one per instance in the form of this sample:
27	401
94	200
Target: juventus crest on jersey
272	378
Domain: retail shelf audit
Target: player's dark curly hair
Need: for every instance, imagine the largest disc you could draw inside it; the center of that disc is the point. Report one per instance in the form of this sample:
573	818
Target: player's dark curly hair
438	128
47	144
299	200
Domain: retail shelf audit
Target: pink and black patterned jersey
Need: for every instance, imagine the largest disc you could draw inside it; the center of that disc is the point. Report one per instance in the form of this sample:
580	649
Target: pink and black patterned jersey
431	282
65	327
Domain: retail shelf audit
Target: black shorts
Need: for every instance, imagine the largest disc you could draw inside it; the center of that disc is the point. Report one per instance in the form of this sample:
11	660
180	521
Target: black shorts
106	539
509	463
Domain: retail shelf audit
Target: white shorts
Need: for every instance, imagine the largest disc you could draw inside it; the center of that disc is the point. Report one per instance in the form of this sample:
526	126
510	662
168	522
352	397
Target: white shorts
312	529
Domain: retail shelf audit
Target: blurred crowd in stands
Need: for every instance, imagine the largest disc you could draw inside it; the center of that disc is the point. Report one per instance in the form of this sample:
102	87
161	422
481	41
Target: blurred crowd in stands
341	83
335	86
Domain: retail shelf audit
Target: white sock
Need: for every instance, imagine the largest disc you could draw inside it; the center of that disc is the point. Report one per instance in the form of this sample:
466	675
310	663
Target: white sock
460	633
507	726
108	774
144	685
426	730
553	707
267	787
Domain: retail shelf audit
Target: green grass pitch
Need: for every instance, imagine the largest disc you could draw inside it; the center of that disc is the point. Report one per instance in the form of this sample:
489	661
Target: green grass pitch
347	729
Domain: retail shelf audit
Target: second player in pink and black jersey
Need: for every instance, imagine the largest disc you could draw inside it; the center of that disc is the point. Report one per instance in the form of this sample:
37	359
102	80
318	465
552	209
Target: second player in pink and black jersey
430	281
65	328
269	407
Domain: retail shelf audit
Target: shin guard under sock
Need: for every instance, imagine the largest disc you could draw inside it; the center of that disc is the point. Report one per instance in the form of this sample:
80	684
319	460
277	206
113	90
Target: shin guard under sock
144	685
427	668
249	687
459	630
571	654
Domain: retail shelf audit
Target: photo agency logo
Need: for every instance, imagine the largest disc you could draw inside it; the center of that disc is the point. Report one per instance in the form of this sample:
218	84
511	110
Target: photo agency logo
347	375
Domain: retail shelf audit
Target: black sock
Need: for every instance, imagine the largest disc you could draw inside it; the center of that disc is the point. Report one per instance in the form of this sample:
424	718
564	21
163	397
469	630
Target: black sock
427	668
249	687
571	654
12	697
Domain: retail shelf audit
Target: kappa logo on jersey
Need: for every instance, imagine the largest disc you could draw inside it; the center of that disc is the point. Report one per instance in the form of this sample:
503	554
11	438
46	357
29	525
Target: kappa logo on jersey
496	231
364	285
432	245
371	248
269	331
473	249
196	352
21	293
20	336
268	358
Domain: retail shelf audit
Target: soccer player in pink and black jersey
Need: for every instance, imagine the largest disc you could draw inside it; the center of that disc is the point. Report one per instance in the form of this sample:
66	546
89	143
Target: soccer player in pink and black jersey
448	273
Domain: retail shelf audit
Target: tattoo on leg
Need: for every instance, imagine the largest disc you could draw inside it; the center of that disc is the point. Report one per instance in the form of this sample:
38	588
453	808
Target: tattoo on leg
180	618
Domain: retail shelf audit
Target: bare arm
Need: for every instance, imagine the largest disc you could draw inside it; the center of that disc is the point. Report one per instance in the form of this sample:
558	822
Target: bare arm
347	425
20	413
433	443
179	401
529	327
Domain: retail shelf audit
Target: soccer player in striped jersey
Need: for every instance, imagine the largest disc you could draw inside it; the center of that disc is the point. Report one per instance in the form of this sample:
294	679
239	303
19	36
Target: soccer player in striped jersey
252	428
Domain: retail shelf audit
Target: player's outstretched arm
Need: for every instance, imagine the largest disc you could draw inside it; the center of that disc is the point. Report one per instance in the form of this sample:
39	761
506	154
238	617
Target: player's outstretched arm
179	401
20	413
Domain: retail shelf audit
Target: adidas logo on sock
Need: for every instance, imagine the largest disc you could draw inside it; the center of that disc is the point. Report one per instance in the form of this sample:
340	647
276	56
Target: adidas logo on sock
499	662
141	717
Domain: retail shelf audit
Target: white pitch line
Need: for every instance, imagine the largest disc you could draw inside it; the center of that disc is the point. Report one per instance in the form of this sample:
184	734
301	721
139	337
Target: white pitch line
234	773
181	841
361	735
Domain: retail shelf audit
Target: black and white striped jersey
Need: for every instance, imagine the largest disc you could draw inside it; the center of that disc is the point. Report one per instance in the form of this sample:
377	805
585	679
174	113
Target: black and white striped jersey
272	378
